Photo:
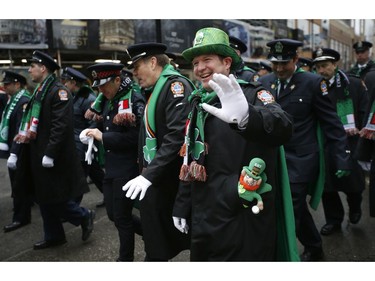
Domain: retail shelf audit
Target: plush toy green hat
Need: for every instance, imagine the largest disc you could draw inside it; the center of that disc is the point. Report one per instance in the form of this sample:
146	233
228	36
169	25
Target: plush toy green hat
255	168
212	41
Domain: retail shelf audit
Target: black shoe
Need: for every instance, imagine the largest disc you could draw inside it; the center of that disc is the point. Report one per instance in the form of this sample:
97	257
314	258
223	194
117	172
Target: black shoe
312	256
88	225
354	218
100	204
14	225
330	228
48	244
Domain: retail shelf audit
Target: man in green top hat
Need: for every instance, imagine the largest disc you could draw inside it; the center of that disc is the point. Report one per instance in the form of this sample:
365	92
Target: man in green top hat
230	123
161	136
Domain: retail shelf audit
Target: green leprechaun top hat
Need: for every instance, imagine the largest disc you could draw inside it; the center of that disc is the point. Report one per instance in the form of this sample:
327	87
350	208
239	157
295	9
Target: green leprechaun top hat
212	41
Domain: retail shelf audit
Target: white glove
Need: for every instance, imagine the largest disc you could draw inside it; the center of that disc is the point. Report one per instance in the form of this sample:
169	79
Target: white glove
89	140
83	137
136	185
234	106
366	166
12	161
47	162
180	224
91	146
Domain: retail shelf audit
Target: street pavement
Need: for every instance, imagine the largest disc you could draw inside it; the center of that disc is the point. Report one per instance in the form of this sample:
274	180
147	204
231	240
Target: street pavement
354	243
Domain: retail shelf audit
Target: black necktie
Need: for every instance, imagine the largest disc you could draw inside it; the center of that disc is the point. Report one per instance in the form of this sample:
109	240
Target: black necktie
281	87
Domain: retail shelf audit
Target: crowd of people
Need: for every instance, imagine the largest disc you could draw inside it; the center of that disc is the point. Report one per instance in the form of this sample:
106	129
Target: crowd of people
149	138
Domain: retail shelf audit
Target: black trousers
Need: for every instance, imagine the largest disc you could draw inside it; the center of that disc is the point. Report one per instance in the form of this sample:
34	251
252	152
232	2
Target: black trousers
95	172
119	210
334	209
22	202
372	189
53	214
306	230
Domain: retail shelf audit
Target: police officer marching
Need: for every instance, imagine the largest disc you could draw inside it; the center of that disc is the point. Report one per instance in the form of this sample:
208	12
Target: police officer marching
14	85
304	95
350	98
83	97
48	162
119	107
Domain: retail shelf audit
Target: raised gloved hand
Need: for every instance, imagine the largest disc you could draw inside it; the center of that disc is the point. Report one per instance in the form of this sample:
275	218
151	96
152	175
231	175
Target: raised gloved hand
342	173
47	162
234	106
180	224
12	161
135	186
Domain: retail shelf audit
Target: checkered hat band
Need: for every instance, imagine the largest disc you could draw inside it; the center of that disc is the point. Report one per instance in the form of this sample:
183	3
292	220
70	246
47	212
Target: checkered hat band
108	73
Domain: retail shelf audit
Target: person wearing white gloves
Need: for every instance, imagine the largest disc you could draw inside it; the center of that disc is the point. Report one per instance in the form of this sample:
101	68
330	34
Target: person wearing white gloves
120	141
15	88
48	163
230	123
161	136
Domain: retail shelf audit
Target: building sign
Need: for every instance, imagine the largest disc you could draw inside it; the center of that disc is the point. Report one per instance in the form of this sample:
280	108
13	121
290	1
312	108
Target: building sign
75	34
116	35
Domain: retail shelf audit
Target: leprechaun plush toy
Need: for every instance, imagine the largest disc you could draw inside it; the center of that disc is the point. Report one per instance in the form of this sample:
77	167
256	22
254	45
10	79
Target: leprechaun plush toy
252	183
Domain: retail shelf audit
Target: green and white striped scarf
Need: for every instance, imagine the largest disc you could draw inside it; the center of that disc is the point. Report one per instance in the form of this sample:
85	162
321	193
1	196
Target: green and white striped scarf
344	105
8	110
30	118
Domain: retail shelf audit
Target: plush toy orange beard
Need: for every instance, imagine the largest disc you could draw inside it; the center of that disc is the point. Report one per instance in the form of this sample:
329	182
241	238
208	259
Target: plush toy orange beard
250	184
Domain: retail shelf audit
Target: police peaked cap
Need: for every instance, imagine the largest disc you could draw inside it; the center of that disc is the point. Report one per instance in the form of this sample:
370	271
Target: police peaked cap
142	50
237	44
265	65
362	46
323	54
72	74
305	61
104	72
43	58
282	50
13	77
127	73
172	56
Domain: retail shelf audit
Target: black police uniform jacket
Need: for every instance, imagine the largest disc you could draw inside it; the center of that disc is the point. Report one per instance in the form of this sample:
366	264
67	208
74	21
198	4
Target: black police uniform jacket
222	229
355	70
55	138
366	148
3	103
162	240
14	147
120	142
244	73
358	94
14	124
82	101
308	104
